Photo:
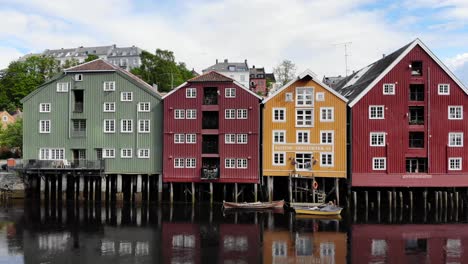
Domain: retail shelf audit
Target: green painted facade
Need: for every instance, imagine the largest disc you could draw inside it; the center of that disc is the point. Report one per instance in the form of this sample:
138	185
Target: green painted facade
62	114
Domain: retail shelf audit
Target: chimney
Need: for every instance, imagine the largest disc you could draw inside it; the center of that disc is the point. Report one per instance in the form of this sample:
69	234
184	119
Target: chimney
383	55
253	66
155	86
216	61
245	61
225	60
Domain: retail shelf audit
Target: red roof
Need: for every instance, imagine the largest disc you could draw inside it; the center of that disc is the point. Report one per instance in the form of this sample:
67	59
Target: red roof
95	65
211	76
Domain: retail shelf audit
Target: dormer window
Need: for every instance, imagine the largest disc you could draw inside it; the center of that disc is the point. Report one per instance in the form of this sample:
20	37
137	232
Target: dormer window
231	68
416	68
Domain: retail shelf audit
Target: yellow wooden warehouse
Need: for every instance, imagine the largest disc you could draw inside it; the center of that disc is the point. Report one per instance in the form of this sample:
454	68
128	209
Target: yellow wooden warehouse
304	140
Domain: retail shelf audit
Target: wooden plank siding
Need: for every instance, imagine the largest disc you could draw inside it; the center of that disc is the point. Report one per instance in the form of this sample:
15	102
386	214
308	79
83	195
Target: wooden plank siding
338	126
61	116
436	128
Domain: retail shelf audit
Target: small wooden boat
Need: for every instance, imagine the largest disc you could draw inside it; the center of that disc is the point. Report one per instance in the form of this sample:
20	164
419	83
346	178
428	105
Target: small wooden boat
255	205
321	210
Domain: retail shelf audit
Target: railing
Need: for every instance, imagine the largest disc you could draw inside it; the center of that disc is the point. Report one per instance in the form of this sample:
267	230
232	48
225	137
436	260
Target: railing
62	164
210	123
416	121
210	99
210	174
210	148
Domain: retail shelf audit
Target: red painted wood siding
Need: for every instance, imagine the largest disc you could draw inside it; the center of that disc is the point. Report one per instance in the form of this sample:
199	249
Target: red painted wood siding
239	243
172	253
250	126
397	128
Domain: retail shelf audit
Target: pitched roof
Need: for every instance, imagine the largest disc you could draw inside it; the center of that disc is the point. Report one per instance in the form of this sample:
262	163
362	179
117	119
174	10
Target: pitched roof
357	85
211	76
93	66
223	66
304	74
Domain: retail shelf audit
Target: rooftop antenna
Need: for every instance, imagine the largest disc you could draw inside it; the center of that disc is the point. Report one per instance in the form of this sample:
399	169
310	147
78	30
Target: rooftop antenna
345	44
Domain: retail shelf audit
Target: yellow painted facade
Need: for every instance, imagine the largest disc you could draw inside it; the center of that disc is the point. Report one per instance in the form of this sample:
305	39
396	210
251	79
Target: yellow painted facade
304	131
6	119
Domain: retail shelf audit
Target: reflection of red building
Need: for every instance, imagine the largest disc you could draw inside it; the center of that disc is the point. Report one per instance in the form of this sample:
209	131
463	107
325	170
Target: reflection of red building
181	243
409	243
239	243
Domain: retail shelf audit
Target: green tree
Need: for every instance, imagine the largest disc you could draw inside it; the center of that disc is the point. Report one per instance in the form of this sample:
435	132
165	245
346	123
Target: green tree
70	63
285	71
12	136
161	69
91	57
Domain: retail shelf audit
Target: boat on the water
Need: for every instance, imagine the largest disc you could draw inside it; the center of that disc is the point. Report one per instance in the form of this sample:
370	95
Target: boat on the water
254	205
320	210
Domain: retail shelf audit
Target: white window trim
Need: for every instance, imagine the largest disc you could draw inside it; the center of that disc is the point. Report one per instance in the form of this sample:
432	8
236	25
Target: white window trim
392	85
240	111
312	96
273	136
187	163
179	166
182	115
273	158
379	169
104	154
44	111
312	114
40	126
311	160
181	138
327	131
78	77
188	92
230	159
122	153
320	96
190	111
273	114
231	95
61	89
226	136
122	126
126	100
139	126
455	158
104	87
49	153
456	133
440	85
246	163
332	111
104	107
455	106
143	110
305	132
383	112
327	165
230	111
240	136
378	133
187	136
143	150
104	126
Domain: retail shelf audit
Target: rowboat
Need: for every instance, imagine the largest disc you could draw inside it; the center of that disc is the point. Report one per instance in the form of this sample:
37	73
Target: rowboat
321	210
254	205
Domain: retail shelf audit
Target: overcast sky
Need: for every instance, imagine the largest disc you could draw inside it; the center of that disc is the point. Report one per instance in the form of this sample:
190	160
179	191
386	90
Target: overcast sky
262	31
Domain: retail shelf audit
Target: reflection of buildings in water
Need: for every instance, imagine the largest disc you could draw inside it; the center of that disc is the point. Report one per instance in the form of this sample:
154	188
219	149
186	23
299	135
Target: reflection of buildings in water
180	243
239	243
409	243
317	247
53	241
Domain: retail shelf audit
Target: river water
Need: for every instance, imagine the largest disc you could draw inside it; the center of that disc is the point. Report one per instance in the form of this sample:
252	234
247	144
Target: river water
184	234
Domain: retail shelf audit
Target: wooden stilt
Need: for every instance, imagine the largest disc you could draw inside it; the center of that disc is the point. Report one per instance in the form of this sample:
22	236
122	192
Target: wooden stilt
378	200
456	201
401	200
235	192
436	201
255	192
390	201
355	200
337	191
295	189
394	199
313	190
290	189
171	194
411	200
193	193
211	193
445	200
272	189
224	192
160	188
366	199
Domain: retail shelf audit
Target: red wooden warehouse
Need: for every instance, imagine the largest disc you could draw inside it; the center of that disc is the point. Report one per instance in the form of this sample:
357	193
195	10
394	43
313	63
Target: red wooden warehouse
407	126
211	132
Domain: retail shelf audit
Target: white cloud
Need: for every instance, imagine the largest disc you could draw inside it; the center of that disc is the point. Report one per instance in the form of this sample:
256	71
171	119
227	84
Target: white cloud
7	55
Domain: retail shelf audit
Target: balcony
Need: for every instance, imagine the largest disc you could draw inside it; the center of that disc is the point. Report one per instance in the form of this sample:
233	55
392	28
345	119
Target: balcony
416	68
34	164
210	96
210	120
210	144
416	115
210	169
416	165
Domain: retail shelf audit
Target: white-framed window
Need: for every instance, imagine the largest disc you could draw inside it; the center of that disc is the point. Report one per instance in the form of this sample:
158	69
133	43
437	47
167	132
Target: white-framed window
230	138
143	153
230	114
229	163
389	88
109	86
279	136
126	126
288	97
109	107
302	136
179	163
4	118
455	112
242	138
109	126
304	96
241	113
320	96
242	163
304	117
379	247
327	114
327	137
44	126
377	139
455	164
279	158
179	138
326	159
144	106
126	96
443	89
78	77
303	161
126	153
108	153
455	140
62	87
191	114
179	114
230	93
191	93
279	249
376	112
279	115
51	154
191	138
379	163
143	126
190	163
44	108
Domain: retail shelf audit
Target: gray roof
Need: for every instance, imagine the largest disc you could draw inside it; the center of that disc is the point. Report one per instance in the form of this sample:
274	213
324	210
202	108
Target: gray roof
99	50
350	88
256	71
223	66
126	51
58	53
